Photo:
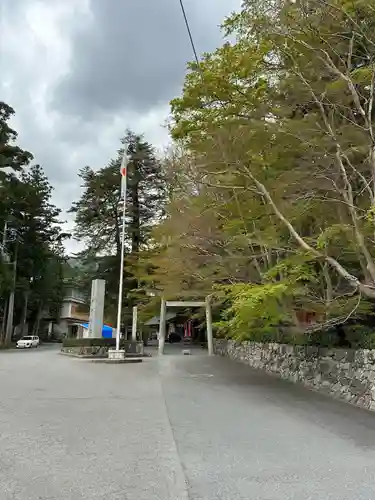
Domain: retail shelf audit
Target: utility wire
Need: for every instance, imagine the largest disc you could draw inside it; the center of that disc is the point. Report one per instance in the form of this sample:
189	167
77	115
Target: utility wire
190	34
221	147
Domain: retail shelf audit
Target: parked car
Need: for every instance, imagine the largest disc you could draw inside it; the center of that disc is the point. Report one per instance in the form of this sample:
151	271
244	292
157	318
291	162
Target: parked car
28	341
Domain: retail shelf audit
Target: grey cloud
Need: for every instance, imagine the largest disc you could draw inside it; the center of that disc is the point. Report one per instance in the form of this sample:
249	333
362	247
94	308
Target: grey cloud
52	154
133	54
128	59
10	7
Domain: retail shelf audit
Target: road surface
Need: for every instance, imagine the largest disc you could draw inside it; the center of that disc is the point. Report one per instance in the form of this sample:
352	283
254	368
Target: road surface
175	428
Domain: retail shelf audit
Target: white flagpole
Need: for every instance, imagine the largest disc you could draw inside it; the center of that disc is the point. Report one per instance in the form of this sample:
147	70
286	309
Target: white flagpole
121	280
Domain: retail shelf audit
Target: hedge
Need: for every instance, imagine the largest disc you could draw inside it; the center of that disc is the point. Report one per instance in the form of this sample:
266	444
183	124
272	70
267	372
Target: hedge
89	342
98	342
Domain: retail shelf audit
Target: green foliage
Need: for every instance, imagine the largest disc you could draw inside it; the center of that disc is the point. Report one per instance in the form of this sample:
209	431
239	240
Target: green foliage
98	342
219	101
360	336
270	185
332	234
11	155
295	269
256	311
98	217
30	229
363	76
89	342
98	213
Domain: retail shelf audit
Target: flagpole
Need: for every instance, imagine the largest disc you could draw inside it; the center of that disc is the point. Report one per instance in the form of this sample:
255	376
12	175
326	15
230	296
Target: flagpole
121	280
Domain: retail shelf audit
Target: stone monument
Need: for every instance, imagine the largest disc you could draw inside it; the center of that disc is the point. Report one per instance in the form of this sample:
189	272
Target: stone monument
96	309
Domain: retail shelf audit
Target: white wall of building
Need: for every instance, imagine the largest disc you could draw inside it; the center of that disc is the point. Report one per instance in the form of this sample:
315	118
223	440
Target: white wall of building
61	328
66	310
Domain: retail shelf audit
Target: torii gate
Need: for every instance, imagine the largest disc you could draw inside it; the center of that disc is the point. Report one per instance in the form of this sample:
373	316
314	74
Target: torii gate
185	303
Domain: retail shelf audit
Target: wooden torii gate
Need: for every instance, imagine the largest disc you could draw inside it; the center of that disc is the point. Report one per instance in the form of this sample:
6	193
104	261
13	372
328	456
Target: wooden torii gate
185	303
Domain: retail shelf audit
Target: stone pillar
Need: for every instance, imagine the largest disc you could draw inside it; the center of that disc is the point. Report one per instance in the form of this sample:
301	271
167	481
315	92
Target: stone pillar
96	309
134	325
209	326
162	326
50	329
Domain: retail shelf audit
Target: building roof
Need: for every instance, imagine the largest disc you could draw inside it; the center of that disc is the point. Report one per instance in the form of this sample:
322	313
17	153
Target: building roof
156	319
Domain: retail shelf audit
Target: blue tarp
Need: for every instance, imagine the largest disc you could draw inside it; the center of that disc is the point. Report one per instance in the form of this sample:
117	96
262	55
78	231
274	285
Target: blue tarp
106	332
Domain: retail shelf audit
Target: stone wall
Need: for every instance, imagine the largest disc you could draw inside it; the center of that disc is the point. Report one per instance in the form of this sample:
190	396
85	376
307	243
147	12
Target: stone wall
130	347
342	373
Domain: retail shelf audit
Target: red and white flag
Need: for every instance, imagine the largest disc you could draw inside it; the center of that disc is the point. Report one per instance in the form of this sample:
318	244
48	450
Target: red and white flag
123	172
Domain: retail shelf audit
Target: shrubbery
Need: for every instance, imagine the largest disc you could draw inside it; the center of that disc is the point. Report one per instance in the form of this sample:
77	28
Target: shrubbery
98	342
263	313
89	342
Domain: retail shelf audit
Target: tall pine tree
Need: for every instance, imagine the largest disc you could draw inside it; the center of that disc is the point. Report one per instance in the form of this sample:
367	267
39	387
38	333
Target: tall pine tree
32	254
99	214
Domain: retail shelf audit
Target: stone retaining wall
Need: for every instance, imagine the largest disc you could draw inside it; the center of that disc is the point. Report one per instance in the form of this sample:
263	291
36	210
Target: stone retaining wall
131	348
342	373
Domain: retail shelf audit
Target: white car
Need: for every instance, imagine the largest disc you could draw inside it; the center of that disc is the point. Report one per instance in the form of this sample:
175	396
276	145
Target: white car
28	341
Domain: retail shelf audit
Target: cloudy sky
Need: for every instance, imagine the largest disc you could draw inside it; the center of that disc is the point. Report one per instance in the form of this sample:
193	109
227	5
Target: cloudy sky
79	72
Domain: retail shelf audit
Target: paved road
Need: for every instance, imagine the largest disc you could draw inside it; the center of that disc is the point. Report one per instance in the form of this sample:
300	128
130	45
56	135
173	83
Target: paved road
175	428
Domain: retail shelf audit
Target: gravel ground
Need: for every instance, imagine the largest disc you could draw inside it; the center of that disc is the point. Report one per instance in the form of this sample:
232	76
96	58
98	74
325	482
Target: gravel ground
174	428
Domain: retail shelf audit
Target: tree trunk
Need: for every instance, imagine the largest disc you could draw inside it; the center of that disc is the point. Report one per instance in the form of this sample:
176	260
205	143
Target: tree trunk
9	327
38	319
4	322
24	310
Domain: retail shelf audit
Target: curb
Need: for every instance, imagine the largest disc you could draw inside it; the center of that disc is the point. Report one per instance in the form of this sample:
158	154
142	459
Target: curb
117	361
101	359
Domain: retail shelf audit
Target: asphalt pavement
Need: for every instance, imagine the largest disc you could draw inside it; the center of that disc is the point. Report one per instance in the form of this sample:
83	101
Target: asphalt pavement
174	428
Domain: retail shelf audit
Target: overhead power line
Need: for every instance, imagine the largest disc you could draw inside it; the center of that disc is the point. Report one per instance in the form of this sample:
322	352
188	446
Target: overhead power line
189	33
